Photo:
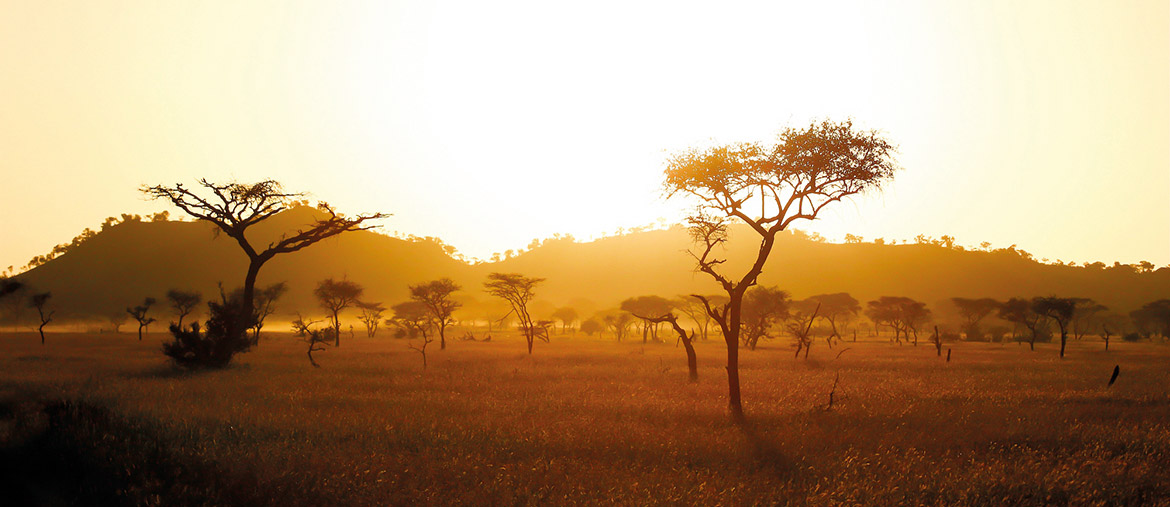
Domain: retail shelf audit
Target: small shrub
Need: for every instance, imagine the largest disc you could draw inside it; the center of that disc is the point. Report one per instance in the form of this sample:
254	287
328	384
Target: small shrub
1132	337
226	336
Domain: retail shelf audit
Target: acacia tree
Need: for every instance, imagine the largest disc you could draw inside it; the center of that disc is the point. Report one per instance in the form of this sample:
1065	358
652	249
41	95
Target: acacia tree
518	290
1019	311
973	311
618	322
39	301
794	179
1085	316
139	314
801	322
694	309
335	296
915	314
692	358
838	308
902	314
315	338
763	307
436	295
235	207
648	309
567	315
265	304
1152	318
183	302
1059	310
371	316
416	319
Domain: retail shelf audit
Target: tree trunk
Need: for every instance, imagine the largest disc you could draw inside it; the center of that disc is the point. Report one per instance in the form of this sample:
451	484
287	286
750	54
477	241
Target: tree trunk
42	331
140	326
336	330
1063	340
733	395
442	337
731	338
250	284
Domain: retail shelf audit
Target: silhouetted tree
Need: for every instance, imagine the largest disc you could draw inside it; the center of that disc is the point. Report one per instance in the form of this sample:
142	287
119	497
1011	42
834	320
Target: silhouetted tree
116	320
518	290
567	315
1112	324
800	324
371	316
902	314
1059	310
973	311
139	314
651	307
915	315
335	296
235	207
39	301
806	170
618	322
265	304
694	309
315	338
14	297
416	318
214	348
9	286
838	308
692	358
183	302
1085	317
1153	318
1020	311
436	295
763	307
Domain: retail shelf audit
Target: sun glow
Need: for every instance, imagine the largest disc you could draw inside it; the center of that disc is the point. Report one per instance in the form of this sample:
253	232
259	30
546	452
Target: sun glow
490	124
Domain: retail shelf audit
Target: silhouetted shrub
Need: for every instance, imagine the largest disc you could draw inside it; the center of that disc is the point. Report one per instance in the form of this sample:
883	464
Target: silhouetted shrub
226	335
1132	337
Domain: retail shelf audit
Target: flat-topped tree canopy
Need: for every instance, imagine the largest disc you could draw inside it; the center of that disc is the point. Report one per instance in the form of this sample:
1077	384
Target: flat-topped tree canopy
234	207
793	179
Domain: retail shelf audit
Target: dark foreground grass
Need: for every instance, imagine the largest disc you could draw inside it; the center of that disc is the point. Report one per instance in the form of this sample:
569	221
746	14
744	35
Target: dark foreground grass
102	419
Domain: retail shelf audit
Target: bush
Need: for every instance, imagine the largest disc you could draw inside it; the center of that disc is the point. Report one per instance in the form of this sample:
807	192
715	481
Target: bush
226	336
1132	337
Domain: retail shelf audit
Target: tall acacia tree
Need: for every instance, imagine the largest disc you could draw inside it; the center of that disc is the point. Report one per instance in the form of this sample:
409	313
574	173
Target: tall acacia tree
235	207
793	179
436	295
1060	310
518	290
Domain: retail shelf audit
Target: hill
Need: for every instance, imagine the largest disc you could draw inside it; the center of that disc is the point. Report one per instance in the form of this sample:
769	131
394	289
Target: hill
121	265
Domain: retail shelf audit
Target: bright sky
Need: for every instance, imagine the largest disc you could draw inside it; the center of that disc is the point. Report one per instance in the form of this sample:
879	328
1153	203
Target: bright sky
488	124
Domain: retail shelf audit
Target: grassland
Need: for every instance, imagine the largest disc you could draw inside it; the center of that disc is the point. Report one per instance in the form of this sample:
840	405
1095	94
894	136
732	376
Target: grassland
102	418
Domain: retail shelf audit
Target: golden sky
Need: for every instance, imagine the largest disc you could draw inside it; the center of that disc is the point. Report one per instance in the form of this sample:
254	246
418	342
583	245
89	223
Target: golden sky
488	124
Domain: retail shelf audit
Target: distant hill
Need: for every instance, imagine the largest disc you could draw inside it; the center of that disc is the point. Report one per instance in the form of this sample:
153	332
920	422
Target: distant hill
121	265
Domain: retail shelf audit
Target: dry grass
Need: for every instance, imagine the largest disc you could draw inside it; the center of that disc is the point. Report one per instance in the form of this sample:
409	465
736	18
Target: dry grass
597	422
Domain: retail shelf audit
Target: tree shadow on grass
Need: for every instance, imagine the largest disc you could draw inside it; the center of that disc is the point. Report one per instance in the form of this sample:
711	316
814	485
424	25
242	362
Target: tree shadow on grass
765	452
171	371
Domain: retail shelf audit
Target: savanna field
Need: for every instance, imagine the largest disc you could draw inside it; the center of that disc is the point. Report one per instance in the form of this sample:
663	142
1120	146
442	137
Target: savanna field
102	418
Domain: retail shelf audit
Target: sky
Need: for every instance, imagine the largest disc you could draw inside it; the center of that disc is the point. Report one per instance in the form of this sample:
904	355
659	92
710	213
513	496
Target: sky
488	124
